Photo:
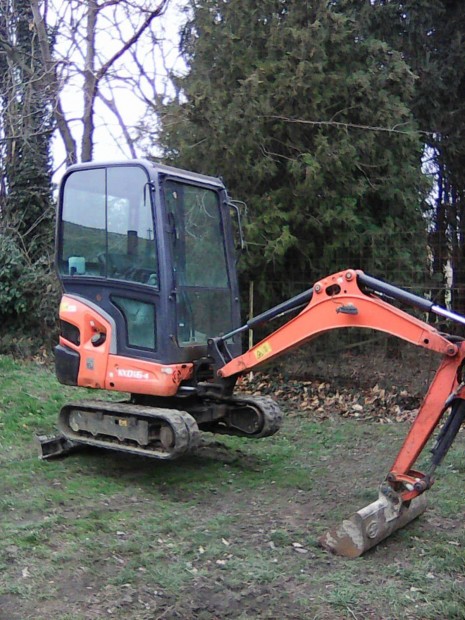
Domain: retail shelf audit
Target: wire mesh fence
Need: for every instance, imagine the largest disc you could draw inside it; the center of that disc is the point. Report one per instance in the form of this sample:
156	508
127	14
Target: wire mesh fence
364	356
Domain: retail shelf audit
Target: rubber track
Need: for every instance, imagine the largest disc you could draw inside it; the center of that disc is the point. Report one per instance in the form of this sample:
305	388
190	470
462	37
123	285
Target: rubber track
268	408
184	426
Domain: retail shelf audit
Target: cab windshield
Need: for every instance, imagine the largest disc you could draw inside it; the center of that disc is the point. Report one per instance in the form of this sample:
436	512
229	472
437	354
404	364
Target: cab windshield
107	226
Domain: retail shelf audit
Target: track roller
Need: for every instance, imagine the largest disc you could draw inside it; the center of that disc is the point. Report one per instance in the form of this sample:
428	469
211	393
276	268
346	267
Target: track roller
150	431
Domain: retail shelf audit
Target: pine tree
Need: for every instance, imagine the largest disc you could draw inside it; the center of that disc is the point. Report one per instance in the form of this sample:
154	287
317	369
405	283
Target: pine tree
306	116
430	34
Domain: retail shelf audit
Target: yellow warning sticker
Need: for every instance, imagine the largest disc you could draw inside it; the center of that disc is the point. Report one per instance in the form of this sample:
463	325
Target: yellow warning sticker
263	350
67	307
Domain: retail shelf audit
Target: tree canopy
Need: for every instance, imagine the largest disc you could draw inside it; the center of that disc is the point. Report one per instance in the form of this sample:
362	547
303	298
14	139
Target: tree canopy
431	35
306	113
329	119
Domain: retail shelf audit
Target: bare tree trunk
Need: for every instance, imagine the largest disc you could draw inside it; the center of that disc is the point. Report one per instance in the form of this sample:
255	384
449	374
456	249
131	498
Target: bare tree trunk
50	81
90	83
439	243
458	254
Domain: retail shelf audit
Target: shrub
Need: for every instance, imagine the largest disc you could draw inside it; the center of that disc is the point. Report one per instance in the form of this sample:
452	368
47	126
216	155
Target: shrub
29	294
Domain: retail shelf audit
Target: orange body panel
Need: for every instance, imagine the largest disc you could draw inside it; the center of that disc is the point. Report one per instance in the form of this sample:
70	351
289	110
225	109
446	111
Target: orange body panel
101	369
141	377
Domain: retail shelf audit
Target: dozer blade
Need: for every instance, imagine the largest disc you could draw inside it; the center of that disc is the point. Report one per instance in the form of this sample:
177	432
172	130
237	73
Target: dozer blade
51	447
372	524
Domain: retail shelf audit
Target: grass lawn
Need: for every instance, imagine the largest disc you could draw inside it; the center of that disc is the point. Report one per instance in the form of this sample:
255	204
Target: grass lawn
229	532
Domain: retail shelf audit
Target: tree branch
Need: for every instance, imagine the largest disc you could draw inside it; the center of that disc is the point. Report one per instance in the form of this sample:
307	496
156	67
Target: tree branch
111	61
50	79
349	125
111	105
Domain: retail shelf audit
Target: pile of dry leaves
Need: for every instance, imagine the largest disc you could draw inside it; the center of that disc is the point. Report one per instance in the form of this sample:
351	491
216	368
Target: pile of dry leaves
324	400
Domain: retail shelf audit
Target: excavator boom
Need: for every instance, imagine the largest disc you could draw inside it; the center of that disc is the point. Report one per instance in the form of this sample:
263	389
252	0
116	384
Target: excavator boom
353	299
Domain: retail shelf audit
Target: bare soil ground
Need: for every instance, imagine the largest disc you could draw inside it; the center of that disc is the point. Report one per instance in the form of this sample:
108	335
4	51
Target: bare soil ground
250	517
265	562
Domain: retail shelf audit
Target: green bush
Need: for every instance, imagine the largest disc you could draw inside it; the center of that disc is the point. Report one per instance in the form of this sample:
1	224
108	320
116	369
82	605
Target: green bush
12	268
29	295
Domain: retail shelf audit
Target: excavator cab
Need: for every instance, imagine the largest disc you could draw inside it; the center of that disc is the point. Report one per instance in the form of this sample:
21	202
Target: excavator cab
151	247
145	254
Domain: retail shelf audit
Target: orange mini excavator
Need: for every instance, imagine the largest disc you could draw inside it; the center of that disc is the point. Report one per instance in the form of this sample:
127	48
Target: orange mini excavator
145	254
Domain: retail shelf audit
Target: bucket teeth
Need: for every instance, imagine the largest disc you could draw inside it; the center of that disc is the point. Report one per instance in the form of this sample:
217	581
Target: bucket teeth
368	526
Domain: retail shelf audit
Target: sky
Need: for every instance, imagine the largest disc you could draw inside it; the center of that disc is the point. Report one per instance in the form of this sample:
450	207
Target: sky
109	141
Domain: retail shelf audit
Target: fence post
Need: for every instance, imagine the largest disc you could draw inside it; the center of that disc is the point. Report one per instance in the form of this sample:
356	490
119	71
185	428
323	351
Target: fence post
251	300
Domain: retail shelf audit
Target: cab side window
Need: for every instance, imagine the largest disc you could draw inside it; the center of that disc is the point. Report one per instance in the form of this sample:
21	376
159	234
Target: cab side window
83	228
140	321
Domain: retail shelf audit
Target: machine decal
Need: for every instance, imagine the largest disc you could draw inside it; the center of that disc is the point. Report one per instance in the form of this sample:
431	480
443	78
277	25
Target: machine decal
263	350
132	374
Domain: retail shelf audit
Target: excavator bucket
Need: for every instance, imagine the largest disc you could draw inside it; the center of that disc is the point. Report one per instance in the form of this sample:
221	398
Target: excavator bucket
370	525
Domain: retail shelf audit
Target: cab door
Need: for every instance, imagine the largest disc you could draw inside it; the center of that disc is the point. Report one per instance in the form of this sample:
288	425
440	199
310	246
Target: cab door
207	303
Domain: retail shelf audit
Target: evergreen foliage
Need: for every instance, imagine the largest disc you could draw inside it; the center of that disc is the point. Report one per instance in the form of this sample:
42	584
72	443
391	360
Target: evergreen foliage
29	294
27	125
27	213
307	117
431	34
